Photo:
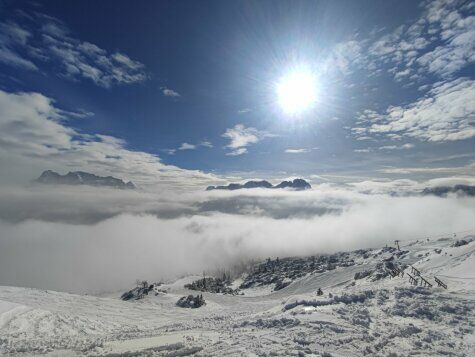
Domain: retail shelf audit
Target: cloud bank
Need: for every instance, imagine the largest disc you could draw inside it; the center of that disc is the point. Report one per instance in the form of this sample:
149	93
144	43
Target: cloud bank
35	135
89	240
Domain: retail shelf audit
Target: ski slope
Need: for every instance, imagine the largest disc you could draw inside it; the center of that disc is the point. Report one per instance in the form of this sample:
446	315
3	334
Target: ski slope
387	317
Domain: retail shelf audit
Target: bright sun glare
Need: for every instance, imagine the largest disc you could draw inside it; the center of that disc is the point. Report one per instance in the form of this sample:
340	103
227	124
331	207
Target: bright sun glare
297	91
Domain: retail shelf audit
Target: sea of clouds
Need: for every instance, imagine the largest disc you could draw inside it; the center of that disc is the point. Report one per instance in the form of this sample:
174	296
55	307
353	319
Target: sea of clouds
90	240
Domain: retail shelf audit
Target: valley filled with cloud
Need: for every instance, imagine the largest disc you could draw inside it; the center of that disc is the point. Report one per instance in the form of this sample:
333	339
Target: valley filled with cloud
95	240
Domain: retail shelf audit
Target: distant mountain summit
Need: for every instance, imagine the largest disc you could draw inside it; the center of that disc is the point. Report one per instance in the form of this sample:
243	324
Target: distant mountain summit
237	186
297	184
442	191
82	178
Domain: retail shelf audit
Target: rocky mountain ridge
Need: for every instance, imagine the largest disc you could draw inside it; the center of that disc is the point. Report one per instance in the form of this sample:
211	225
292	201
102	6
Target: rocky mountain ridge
82	178
296	184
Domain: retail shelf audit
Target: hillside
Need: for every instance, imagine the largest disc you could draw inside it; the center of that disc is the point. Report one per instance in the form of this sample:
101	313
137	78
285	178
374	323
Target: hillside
363	310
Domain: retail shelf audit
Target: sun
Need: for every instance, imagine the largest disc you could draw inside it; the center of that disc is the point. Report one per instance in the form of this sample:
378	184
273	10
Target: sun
297	91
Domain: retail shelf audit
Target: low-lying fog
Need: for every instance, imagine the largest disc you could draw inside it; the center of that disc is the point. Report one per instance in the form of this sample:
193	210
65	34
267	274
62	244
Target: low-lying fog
95	240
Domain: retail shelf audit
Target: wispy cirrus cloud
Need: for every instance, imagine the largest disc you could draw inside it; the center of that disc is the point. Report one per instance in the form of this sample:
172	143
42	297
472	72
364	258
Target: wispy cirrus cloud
12	39
299	150
46	40
206	144
237	152
397	147
12	58
188	146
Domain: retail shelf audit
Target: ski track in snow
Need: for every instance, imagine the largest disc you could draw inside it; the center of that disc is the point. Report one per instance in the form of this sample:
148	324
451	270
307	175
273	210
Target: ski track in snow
395	318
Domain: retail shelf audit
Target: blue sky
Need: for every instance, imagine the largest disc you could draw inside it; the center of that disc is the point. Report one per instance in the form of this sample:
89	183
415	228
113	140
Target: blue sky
188	89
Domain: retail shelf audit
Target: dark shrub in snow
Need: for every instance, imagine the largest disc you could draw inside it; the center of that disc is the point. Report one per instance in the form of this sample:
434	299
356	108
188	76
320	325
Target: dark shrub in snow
281	284
139	292
213	285
272	323
282	272
460	242
191	301
345	299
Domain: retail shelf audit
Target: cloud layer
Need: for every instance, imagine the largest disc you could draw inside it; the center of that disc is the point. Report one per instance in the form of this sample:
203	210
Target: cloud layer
153	237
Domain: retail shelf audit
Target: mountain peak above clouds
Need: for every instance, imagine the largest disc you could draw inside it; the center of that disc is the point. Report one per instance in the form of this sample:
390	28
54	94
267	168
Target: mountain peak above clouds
82	178
296	184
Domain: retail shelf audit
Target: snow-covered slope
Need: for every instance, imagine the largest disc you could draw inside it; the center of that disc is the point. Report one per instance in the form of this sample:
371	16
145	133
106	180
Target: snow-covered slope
368	316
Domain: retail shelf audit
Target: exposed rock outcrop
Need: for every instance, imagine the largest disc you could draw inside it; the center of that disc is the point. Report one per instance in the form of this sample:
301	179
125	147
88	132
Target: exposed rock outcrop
82	178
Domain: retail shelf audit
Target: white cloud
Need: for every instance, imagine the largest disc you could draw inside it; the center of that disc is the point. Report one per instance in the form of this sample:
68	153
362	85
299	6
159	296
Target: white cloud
451	181
13	38
12	58
125	60
397	147
446	113
54	27
186	146
401	74
347	54
81	113
13	33
449	19
385	186
467	170
297	151
240	137
237	152
167	92
206	144
34	137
